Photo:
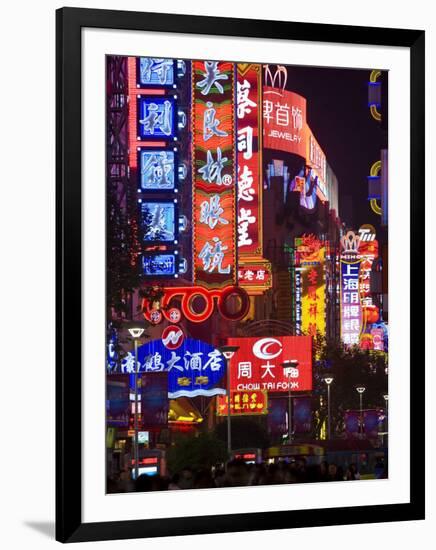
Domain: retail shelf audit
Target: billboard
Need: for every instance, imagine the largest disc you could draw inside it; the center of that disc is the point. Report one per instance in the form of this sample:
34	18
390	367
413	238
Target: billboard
194	368
214	173
284	121
243	403
257	363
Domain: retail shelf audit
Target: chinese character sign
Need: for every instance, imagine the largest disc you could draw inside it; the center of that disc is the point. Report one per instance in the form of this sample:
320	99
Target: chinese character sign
257	364
214	183
310	256
284	121
253	275
243	403
249	176
313	311
194	368
351	309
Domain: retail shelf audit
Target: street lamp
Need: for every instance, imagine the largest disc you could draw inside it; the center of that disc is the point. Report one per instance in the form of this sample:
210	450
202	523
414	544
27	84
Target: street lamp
386	398
360	390
136	333
328	380
288	366
228	352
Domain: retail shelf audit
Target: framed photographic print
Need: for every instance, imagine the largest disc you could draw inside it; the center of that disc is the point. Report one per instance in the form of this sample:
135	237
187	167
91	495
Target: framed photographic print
240	235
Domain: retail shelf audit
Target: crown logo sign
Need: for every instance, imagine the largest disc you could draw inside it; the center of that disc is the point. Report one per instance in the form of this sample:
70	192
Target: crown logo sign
350	242
276	80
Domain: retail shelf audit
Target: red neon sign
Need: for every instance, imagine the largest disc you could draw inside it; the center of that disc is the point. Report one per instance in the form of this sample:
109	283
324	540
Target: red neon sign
144	461
249	180
257	365
209	297
213	162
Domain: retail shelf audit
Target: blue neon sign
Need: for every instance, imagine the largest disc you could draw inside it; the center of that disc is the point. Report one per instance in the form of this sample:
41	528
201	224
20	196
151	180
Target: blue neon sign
157	170
156	117
194	368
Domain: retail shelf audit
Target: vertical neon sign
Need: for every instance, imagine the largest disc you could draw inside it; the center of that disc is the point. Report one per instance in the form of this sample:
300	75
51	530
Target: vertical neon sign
214	183
248	135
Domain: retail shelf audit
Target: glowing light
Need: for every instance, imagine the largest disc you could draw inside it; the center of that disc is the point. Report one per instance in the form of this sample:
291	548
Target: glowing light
222	298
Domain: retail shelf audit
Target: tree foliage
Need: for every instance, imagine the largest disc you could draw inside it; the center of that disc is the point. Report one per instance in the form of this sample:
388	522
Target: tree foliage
246	433
350	366
197	452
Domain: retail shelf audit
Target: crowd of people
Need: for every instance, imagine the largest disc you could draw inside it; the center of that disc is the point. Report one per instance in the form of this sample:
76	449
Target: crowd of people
237	473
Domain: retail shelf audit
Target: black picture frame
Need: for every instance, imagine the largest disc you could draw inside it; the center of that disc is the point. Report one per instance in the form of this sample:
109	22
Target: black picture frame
69	23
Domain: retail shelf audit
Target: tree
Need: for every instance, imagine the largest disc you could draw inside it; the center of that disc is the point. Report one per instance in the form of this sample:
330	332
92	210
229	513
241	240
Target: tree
350	367
198	452
246	433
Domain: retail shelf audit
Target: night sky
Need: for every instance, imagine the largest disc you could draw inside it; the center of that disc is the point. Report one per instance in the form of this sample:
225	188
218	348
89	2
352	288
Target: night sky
338	114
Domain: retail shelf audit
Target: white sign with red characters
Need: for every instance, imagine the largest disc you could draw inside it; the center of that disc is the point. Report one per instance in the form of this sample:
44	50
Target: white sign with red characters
172	337
257	365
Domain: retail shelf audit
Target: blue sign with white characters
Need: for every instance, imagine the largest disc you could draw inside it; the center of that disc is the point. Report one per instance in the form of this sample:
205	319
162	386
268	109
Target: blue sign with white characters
159	265
159	221
157	170
194	368
155	71
156	117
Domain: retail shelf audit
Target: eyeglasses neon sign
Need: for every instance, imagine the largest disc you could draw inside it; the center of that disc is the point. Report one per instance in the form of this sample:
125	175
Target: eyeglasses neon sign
187	296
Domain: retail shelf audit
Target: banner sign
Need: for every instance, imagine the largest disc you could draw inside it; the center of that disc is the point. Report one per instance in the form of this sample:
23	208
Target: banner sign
284	121
352	424
117	400
154	400
302	414
277	417
214	173
248	121
194	368
257	363
310	261
243	403
371	419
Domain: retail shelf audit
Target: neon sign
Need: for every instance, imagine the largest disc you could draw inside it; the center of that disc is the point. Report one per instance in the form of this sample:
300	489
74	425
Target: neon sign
157	170
187	295
243	403
159	265
257	364
214	231
284	121
156	71
156	117
159	221
194	368
248	121
310	260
